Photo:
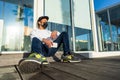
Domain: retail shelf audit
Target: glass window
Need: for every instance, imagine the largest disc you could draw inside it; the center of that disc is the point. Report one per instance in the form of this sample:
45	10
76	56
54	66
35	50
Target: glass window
83	31
17	25
1	30
1	22
28	25
109	27
59	12
1	9
115	24
104	29
59	15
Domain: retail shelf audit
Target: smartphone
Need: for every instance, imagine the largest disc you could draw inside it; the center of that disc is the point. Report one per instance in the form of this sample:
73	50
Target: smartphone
55	45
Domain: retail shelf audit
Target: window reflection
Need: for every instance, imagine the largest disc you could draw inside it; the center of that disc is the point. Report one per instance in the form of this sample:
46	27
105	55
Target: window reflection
1	31
59	15
83	39
17	25
115	24
105	31
28	25
1	22
60	27
110	38
83	30
1	9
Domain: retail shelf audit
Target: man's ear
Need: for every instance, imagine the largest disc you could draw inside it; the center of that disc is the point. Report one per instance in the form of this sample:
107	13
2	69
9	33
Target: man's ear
39	23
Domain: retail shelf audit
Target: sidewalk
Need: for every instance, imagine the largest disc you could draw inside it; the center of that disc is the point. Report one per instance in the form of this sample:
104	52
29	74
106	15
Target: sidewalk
8	73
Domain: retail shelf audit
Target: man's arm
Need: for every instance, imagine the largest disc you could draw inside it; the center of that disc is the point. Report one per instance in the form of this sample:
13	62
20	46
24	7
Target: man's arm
48	42
54	35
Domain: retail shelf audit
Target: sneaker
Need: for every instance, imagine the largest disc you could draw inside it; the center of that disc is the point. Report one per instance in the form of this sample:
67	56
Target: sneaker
70	58
32	63
38	57
27	66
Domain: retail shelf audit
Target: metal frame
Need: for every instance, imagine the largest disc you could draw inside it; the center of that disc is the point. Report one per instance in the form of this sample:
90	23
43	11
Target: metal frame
38	10
109	22
72	24
93	24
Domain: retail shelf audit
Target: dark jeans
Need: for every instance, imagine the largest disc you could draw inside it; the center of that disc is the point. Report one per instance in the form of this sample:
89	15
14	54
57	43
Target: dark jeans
39	47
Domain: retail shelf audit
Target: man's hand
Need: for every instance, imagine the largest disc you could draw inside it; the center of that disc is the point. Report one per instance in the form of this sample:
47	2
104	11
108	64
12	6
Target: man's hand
54	35
48	42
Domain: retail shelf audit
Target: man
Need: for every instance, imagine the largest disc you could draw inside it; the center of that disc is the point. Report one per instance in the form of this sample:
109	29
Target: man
46	43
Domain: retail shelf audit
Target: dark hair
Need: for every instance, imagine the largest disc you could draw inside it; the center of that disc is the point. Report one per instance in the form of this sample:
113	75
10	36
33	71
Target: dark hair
42	17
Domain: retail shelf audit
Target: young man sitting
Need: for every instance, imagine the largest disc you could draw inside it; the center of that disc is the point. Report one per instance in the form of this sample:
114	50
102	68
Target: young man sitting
46	43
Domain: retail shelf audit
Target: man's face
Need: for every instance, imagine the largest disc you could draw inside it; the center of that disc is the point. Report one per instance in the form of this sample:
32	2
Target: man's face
43	21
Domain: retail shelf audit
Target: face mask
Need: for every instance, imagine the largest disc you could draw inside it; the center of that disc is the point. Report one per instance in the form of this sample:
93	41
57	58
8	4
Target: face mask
45	25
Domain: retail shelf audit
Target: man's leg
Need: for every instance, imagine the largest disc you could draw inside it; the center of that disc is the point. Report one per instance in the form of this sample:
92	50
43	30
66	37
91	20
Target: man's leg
38	47
62	38
32	63
67	55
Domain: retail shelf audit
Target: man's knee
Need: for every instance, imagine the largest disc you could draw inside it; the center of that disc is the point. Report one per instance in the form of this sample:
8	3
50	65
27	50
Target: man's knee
36	41
64	33
36	45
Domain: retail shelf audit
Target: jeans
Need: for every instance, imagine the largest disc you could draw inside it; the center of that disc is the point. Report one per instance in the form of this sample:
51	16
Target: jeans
38	46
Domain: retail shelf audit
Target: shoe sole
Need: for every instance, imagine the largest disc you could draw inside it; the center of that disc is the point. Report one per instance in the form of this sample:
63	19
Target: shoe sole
72	61
30	66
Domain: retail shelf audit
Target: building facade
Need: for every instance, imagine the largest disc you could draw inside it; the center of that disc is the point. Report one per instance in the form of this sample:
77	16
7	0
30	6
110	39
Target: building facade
18	18
108	28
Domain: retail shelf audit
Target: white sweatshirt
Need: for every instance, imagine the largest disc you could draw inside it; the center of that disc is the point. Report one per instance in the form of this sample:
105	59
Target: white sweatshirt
40	34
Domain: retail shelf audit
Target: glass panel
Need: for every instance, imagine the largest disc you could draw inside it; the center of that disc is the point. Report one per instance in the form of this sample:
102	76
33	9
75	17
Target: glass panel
110	33
59	12
115	23
1	30
59	15
17	25
83	31
28	25
1	9
1	22
104	29
11	31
